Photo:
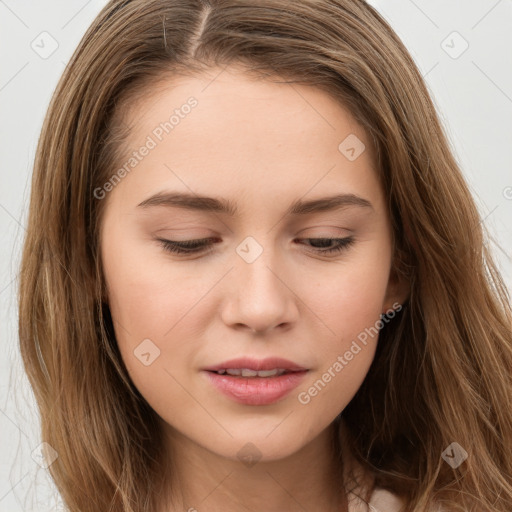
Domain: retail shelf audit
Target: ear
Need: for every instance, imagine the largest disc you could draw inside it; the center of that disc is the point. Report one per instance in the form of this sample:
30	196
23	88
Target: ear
99	285
101	290
104	295
397	292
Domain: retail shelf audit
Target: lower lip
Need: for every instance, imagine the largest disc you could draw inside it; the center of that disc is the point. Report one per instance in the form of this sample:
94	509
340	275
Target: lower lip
256	390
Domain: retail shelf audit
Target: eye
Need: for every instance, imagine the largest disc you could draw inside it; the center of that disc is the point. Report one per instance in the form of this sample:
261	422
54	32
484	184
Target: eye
340	244
198	246
186	246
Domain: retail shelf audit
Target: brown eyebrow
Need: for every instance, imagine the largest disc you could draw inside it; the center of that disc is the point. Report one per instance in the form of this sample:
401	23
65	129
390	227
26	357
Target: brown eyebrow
225	206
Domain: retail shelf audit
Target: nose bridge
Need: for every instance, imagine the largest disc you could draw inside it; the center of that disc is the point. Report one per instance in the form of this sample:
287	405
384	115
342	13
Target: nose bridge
260	298
257	265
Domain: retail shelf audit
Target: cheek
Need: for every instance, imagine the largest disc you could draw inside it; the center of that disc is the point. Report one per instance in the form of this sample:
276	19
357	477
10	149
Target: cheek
345	356
150	307
348	297
149	300
146	294
349	303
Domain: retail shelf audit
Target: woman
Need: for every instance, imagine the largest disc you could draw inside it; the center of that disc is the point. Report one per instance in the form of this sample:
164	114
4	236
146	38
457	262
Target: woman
254	276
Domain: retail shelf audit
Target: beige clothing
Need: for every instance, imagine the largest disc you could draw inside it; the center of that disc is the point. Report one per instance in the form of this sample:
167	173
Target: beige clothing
384	501
381	500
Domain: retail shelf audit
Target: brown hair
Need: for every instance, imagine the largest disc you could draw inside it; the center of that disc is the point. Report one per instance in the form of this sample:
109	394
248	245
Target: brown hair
443	367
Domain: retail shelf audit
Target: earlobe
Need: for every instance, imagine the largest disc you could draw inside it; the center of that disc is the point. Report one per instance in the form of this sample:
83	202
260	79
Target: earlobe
399	282
103	294
398	291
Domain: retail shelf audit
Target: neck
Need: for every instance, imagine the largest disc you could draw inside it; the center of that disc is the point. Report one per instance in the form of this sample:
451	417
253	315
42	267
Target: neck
310	479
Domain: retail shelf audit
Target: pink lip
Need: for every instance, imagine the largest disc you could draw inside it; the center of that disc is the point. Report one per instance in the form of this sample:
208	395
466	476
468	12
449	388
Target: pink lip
256	390
257	364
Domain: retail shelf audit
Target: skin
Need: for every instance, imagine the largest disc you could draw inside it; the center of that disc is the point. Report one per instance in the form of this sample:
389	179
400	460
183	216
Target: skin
262	145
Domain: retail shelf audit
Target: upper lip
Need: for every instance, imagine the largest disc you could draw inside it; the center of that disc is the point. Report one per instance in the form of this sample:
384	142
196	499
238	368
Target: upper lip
249	363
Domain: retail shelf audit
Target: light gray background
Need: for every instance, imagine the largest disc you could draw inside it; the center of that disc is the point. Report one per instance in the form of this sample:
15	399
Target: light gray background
472	91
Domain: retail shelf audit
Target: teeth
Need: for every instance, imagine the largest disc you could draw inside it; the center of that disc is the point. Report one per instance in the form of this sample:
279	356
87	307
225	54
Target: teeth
245	372
270	373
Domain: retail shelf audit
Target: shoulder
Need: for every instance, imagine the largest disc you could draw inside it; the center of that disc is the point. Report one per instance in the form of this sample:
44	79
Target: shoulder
383	500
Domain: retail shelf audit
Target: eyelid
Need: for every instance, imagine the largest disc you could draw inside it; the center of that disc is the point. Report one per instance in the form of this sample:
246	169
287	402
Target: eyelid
200	246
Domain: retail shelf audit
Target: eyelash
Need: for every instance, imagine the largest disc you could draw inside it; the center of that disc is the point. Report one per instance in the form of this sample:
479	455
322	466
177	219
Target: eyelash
198	246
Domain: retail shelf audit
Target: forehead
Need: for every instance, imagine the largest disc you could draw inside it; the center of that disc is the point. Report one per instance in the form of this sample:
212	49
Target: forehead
235	101
246	135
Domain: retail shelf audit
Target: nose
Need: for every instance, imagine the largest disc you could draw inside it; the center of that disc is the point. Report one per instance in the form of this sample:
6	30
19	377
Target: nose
259	297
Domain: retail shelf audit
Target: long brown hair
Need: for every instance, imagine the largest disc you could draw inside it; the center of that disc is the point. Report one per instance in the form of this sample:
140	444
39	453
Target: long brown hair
443	367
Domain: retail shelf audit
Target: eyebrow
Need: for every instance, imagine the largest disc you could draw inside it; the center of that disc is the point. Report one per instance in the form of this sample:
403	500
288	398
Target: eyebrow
228	207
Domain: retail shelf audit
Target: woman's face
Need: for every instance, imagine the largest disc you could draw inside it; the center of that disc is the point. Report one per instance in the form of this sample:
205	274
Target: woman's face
295	169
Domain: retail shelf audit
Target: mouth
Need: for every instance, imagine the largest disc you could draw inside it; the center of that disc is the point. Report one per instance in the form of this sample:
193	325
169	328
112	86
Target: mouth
250	367
252	382
249	373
